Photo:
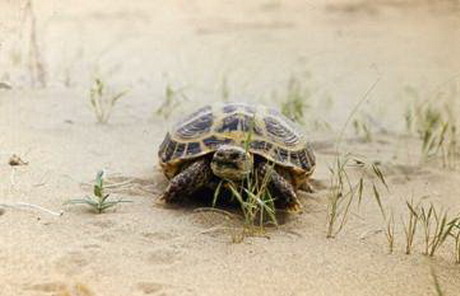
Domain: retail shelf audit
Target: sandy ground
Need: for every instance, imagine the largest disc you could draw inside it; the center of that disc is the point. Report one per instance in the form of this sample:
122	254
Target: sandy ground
340	48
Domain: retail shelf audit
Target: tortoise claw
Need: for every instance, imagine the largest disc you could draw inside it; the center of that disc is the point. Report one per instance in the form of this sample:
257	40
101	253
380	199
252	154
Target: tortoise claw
294	207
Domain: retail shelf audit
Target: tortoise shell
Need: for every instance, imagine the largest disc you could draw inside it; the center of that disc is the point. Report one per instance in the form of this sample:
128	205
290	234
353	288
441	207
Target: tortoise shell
261	130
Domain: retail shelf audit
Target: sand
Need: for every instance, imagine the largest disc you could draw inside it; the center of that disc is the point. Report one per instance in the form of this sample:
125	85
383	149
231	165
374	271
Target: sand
251	48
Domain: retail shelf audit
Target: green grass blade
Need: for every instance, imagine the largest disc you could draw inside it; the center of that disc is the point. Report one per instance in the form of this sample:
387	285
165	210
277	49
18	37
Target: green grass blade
379	174
216	194
379	200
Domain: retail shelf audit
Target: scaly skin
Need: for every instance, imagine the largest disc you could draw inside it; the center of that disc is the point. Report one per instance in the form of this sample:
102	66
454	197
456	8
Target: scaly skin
279	187
194	177
199	175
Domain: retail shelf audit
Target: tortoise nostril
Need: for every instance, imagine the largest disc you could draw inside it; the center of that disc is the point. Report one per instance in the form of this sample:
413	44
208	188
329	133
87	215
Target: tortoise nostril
234	156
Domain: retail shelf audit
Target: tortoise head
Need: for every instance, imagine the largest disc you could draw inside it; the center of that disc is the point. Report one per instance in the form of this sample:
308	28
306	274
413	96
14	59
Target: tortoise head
232	163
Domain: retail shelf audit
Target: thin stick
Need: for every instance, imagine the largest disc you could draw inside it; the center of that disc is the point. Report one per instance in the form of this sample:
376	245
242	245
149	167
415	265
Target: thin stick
36	67
111	185
214	210
355	109
120	184
19	205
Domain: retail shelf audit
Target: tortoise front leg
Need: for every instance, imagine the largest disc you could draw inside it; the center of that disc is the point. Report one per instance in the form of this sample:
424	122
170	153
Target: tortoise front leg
278	187
194	177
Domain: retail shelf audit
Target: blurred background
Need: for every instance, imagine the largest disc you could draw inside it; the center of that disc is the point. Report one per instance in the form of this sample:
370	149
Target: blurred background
331	53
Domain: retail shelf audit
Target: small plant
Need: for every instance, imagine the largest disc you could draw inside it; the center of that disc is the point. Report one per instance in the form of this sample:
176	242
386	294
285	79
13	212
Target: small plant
432	131
340	196
296	100
299	97
344	190
256	202
434	122
442	231
426	220
173	98
103	100
410	228
361	127
100	201
437	228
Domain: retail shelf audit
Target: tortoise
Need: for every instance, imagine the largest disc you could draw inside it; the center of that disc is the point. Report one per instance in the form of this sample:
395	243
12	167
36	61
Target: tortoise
231	140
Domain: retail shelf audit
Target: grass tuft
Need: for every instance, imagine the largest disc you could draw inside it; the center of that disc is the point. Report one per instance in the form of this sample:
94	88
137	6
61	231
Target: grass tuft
296	101
441	231
436	225
362	128
253	196
435	123
426	220
256	203
172	99
103	100
410	227
344	190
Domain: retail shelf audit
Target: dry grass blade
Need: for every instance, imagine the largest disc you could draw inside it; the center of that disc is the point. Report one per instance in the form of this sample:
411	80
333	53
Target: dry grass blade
336	196
341	186
341	196
437	285
355	109
263	204
360	191
411	227
455	233
442	231
346	212
426	220
457	247
390	233
217	193
379	174
379	200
